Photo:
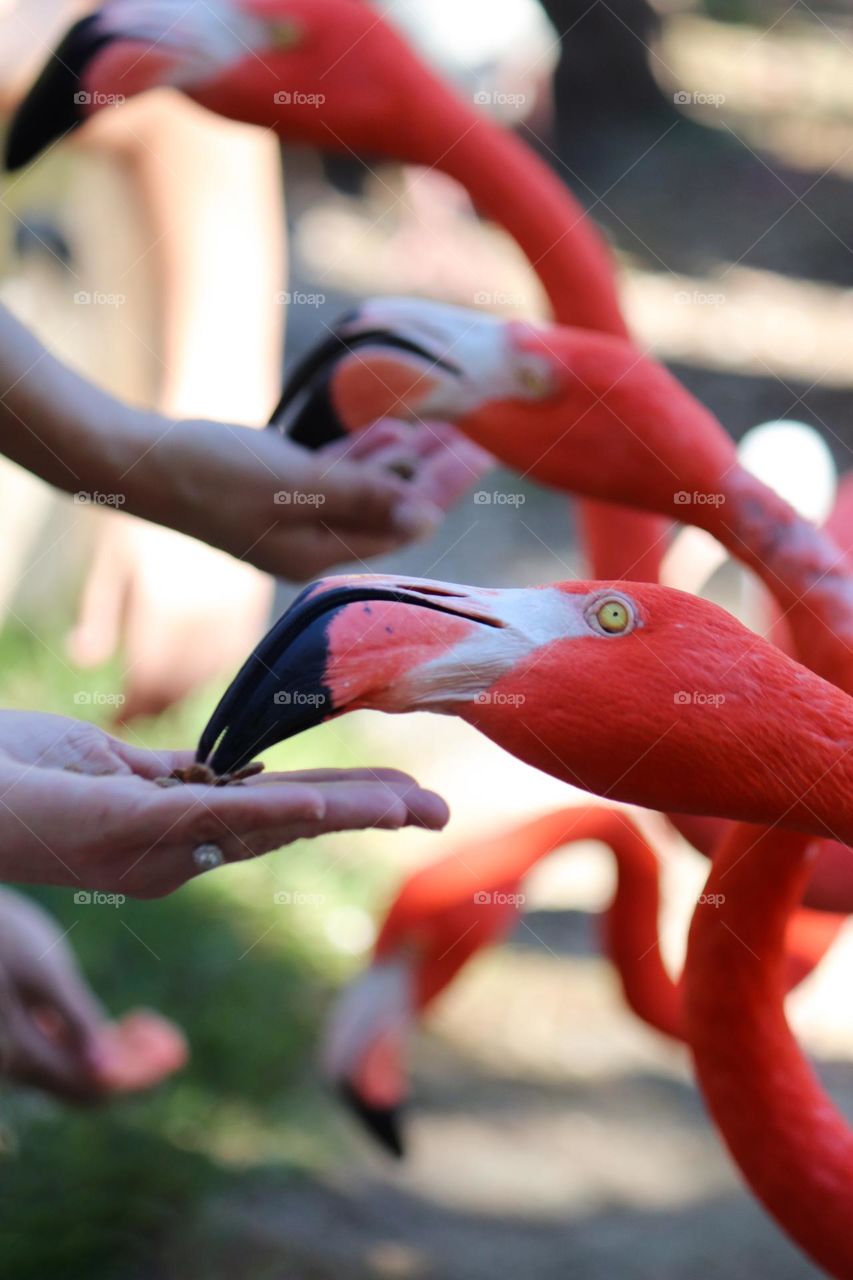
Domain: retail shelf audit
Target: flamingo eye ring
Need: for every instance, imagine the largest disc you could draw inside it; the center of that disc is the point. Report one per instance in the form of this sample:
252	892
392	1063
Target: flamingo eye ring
612	616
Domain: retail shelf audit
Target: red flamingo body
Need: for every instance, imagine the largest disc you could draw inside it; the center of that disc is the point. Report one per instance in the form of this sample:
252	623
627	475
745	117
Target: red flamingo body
449	910
790	1142
438	907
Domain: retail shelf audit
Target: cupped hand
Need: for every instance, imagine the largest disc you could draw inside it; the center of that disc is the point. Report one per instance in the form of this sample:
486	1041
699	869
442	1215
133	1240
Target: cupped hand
297	513
54	1034
82	809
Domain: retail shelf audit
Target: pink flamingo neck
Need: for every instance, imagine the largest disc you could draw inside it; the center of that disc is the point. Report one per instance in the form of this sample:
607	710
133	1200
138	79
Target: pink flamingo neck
508	182
792	1145
445	893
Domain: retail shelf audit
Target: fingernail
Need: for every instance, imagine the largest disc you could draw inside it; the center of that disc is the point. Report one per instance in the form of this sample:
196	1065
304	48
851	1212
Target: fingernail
416	519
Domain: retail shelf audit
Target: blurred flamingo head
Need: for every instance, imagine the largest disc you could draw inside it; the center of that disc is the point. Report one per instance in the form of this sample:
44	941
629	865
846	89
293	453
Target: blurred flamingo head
416	360
330	73
433	928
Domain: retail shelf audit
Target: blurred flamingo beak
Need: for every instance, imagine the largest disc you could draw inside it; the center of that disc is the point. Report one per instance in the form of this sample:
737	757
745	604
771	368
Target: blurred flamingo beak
410	359
364	1048
382	1123
350	642
55	105
353	378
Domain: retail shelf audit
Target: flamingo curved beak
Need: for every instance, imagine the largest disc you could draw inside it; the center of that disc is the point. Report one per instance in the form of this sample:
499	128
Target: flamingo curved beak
291	682
406	358
357	375
382	1123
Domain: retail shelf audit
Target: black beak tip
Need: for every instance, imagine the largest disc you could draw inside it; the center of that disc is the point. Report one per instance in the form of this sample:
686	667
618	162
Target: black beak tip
382	1123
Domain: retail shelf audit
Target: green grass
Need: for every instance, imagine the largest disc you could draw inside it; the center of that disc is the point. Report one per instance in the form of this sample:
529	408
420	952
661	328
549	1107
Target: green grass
99	1193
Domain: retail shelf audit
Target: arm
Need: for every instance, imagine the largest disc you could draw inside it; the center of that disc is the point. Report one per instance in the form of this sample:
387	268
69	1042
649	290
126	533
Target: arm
177	473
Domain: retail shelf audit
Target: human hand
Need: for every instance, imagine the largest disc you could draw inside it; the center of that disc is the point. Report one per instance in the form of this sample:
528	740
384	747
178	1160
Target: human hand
54	1034
297	513
82	809
156	597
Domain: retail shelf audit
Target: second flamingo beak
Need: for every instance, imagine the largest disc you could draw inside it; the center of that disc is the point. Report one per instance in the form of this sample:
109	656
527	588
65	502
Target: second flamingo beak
413	360
362	372
56	103
395	644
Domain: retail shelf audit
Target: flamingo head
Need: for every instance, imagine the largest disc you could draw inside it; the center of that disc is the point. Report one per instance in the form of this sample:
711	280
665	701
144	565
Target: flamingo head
329	73
431	931
629	690
583	411
363	1055
416	360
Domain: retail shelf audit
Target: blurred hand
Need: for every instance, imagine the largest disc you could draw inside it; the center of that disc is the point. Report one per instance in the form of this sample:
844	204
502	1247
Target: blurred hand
157	598
297	513
49	1020
82	809
53	1032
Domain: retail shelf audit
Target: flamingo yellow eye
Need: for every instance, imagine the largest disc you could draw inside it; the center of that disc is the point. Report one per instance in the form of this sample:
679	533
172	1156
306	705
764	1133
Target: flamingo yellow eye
534	382
613	616
284	34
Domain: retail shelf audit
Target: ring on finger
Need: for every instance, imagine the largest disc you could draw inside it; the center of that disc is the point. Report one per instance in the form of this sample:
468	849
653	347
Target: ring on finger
207	857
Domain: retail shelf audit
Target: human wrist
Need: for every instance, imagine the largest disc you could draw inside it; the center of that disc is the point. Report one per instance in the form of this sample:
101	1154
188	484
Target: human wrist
148	473
110	448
